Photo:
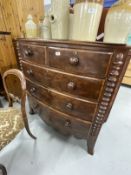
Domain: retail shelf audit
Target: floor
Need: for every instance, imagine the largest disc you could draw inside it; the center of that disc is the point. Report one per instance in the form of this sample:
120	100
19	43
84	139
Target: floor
53	154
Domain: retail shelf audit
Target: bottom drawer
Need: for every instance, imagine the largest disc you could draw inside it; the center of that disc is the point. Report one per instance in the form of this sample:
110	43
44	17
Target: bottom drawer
60	121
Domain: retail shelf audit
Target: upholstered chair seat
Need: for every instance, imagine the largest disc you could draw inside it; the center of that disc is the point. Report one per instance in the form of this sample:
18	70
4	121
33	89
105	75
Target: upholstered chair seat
11	123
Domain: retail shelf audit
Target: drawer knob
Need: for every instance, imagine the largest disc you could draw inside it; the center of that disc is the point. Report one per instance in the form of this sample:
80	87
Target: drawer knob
67	123
28	52
74	61
29	72
32	90
69	106
71	85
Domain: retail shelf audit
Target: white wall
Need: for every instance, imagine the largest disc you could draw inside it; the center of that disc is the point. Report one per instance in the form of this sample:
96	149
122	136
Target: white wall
47	2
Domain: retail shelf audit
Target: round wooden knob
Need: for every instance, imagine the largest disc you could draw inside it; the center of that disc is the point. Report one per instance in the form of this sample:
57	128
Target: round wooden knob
28	52
71	85
69	106
74	61
29	72
32	90
67	123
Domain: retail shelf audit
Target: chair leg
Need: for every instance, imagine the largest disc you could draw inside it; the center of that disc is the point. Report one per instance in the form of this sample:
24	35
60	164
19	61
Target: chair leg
3	169
28	131
27	126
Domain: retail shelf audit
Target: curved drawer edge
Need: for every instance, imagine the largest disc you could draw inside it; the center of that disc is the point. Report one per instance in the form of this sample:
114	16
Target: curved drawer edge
64	123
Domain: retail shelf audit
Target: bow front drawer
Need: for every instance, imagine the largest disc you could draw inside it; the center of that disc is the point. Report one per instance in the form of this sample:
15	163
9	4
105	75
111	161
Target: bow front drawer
67	104
84	87
62	122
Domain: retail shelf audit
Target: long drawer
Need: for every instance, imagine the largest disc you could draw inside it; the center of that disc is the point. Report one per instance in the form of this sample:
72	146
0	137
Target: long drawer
62	122
80	62
84	87
72	106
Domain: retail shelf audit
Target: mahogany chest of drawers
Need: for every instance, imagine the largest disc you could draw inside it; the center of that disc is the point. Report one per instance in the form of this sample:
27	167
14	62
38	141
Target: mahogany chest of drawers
72	85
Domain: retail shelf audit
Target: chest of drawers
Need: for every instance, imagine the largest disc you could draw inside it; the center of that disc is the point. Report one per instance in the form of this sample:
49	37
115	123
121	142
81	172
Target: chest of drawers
73	85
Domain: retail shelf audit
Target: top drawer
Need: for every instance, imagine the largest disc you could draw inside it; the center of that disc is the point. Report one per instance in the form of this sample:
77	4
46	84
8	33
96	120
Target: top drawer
33	53
81	62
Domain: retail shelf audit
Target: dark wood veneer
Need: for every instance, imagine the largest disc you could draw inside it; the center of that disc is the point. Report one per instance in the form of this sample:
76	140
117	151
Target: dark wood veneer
60	121
81	62
67	104
72	85
85	87
35	54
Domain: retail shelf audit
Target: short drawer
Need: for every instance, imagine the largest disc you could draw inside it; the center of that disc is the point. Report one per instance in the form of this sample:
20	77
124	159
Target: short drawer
77	108
60	121
81	62
33	53
82	87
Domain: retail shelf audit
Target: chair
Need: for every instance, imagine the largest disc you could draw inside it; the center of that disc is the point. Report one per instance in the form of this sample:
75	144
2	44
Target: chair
13	120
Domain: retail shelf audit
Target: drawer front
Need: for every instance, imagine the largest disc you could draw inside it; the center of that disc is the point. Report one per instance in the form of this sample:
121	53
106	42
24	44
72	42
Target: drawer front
33	53
87	63
77	108
88	88
60	121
